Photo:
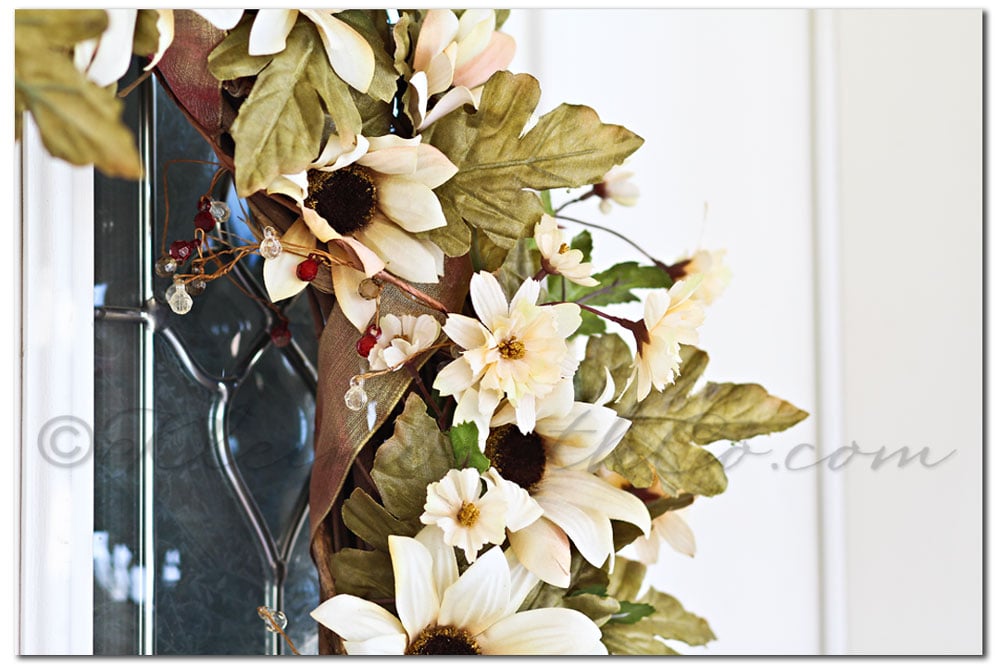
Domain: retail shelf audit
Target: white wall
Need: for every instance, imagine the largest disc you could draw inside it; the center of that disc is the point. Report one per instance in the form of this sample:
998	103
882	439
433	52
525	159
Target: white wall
723	101
893	233
911	150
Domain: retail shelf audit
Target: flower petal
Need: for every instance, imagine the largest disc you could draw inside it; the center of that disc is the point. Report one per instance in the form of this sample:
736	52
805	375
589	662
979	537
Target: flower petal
270	29
279	273
543	548
223	19
592	493
542	632
112	56
336	155
416	596
350	55
582	437
410	204
356	619
479	598
165	28
465	331
522	581
475	28
403	255
495	57
358	310
675	531
433	167
445	567
522	510
487	298
589	530
453	99
437	31
383	645
393	155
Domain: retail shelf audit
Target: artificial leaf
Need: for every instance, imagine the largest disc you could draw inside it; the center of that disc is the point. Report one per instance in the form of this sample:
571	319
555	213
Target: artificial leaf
584	578
617	283
498	167
77	120
583	242
522	263
373	26
631	612
147	36
279	127
625	582
366	574
598	608
373	523
671	621
416	455
624	639
668	426
465	445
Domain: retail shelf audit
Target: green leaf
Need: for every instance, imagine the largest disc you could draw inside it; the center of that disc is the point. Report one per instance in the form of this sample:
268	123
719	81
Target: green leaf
546	197
631	612
465	444
583	242
374	27
598	608
668	427
416	455
366	574
617	283
667	620
372	523
279	127
147	36
498	167
78	121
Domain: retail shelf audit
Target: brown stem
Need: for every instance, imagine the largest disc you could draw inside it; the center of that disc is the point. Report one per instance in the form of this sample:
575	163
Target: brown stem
426	395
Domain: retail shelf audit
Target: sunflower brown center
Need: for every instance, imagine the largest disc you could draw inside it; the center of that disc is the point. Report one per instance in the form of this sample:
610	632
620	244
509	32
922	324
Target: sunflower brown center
467	515
518	458
443	640
346	198
511	348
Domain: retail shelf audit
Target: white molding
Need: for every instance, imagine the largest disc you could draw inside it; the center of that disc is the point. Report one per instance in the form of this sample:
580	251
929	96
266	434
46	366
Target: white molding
55	500
829	343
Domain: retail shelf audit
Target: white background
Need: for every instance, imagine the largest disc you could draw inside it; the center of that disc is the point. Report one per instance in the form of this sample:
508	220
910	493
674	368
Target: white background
735	107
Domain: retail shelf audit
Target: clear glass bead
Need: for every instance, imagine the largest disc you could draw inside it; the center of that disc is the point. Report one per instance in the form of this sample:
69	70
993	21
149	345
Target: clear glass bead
356	398
219	210
270	246
196	287
166	266
369	289
274	619
178	298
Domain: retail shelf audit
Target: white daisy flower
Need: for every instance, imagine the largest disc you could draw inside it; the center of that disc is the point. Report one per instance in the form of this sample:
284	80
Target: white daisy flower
552	465
616	187
670	319
441	613
516	351
714	272
461	52
669	527
467	519
379	192
557	257
402	338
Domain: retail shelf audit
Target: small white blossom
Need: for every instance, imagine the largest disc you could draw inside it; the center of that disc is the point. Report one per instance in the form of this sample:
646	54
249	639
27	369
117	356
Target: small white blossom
616	187
467	519
557	257
715	274
401	339
670	319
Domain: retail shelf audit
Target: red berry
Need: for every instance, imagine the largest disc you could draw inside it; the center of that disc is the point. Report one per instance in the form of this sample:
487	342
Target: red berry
204	221
366	343
307	269
280	335
181	250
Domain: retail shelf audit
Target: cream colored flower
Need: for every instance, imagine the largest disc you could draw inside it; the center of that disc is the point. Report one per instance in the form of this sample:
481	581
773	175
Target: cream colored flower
378	191
451	51
516	351
442	613
670	319
402	338
616	187
669	527
714	272
467	519
557	257
105	59
553	464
